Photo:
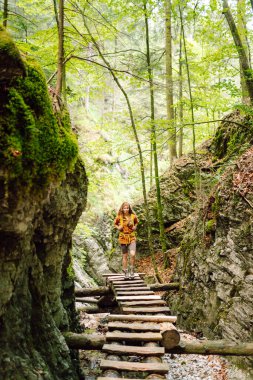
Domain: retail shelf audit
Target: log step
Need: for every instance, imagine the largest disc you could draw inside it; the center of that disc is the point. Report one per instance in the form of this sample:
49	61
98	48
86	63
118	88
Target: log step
140	337
145	303
124	282
131	310
120	274
118	288
122	278
134	326
139	298
114	378
132	366
143	318
122	286
137	293
133	350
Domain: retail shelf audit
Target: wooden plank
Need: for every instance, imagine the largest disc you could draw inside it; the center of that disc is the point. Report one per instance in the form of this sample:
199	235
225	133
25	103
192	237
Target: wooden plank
120	274
118	288
114	378
140	337
122	278
136	293
126	285
144	318
134	326
133	350
117	282
132	366
133	298
161	309
141	303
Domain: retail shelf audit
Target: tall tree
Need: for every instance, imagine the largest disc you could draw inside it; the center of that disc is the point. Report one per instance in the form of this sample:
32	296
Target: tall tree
181	107
5	13
169	83
244	61
60	66
241	11
153	140
189	87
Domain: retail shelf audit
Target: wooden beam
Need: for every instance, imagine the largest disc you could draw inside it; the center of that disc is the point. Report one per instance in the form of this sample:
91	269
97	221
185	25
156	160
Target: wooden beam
201	347
143	318
132	366
84	341
214	347
101	291
161	287
86	299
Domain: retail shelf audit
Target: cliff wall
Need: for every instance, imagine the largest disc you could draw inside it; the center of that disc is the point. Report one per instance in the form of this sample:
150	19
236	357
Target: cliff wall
43	188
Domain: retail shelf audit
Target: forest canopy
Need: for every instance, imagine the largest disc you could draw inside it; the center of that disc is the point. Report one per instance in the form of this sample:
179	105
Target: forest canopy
171	69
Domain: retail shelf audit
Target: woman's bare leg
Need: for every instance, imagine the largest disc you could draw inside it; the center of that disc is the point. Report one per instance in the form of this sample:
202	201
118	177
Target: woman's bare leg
132	258
124	261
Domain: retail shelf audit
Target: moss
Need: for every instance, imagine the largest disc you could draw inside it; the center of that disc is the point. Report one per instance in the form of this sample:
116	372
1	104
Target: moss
210	226
35	145
232	138
11	63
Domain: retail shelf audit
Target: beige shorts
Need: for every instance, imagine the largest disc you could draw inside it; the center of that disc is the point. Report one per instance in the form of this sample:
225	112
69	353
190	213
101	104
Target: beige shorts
128	247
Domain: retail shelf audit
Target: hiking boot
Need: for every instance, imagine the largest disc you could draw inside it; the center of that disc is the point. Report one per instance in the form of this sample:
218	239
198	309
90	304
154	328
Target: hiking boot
126	275
131	272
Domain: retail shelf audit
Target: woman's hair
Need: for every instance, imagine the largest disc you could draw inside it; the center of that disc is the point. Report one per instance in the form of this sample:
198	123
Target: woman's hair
120	212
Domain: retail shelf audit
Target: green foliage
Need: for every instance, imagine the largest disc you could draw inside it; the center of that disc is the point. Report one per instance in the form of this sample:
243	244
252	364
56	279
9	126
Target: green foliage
35	147
98	109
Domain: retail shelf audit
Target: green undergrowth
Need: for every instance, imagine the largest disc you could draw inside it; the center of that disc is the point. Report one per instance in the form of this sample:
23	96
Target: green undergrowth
36	146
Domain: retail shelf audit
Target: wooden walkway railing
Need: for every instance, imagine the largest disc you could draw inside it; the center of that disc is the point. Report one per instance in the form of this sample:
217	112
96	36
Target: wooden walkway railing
142	330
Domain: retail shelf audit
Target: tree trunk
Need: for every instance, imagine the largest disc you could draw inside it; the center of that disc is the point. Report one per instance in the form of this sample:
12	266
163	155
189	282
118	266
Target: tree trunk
241	10
246	70
5	13
190	92
153	142
181	107
169	83
60	69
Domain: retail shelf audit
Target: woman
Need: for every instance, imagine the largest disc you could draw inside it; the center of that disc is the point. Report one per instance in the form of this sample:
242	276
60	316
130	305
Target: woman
126	222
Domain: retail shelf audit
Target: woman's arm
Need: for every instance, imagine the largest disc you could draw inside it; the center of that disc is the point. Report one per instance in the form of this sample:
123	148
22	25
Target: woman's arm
117	224
135	223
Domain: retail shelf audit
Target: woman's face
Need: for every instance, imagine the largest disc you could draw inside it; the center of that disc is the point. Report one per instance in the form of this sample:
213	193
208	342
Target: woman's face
126	209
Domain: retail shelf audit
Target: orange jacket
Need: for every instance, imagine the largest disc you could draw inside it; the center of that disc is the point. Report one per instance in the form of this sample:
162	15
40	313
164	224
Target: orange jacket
127	235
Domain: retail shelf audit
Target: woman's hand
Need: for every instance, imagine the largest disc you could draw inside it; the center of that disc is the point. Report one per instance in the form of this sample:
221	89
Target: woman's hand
134	228
120	228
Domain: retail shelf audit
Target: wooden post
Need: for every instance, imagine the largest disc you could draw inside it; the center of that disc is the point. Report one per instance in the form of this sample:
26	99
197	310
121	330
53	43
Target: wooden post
171	336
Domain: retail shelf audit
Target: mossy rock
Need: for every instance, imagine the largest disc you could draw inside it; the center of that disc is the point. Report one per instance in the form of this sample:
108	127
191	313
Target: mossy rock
11	64
36	147
234	134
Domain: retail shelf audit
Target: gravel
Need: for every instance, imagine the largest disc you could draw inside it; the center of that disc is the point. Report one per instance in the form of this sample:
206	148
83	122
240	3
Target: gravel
196	367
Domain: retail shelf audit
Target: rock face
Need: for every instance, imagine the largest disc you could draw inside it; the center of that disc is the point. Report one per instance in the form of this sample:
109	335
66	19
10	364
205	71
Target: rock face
215	263
178	194
43	189
97	253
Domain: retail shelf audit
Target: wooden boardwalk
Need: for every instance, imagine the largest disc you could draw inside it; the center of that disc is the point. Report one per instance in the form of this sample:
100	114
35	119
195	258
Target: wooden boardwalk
135	338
